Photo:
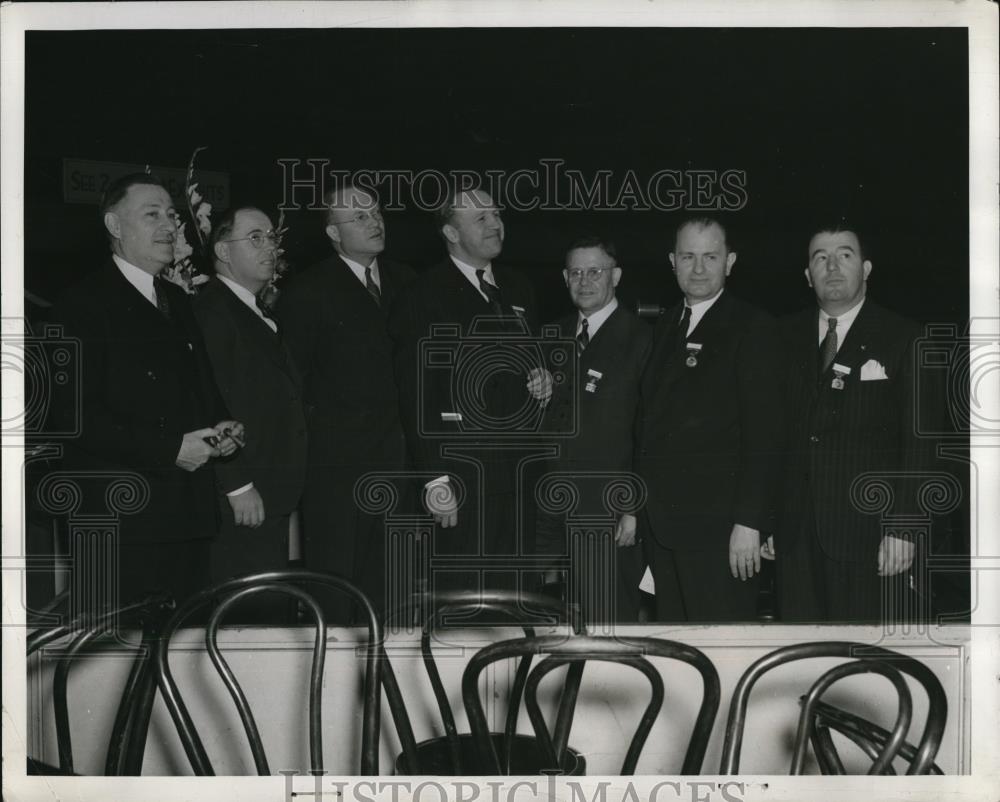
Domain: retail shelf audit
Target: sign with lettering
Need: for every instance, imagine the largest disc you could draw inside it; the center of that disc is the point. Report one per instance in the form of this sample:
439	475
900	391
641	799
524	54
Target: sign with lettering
84	181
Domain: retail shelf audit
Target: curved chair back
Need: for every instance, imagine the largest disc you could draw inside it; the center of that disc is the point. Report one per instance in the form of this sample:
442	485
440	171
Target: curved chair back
877	660
523	608
128	734
868	737
576	651
221	598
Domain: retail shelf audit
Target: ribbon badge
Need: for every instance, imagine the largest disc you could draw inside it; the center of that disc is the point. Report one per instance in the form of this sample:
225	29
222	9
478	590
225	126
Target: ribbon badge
593	377
692	354
840	372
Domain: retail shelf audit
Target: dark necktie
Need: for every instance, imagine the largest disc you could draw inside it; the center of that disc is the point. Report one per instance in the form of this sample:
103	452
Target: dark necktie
490	291
372	287
265	310
828	349
583	338
682	327
160	291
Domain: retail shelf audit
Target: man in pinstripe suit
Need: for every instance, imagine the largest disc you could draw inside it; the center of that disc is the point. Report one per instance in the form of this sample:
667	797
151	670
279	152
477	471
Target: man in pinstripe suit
850	393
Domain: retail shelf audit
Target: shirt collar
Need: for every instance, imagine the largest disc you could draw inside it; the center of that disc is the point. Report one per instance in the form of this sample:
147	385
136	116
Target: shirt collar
240	292
844	320
358	270
137	277
699	309
596	319
470	272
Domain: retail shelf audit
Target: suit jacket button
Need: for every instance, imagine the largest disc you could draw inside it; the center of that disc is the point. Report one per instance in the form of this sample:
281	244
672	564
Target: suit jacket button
813	438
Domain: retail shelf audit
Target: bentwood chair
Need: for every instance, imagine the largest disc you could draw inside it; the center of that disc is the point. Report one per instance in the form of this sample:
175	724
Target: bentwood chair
220	599
868	737
87	631
455	753
561	651
816	718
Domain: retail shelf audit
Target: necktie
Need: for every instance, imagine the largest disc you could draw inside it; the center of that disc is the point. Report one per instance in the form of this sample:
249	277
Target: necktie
160	291
583	338
682	327
828	349
265	310
372	287
490	291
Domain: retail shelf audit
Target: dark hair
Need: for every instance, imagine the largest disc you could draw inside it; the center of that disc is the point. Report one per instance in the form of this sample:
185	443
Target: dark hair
702	222
594	241
841	225
224	228
118	189
444	212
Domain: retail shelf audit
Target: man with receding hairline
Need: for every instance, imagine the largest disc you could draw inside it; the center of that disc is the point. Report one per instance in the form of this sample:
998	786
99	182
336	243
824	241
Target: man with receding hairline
148	399
333	317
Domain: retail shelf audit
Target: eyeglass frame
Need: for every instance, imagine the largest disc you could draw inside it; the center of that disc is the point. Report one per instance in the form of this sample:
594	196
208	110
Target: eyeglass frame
374	215
591	273
273	236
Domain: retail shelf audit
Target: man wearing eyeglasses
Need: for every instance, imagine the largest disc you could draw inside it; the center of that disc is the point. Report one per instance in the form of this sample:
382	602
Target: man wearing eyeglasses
260	384
148	405
613	346
709	437
453	427
333	317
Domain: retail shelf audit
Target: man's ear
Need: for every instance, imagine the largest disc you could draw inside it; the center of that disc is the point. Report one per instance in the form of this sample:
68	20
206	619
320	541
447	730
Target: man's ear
730	261
566	277
867	267
112	224
222	251
673	264
616	276
450	232
809	278
333	233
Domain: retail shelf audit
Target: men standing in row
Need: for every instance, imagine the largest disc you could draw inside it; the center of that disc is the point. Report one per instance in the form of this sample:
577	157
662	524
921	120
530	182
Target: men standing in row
613	346
261	386
709	437
453	424
333	317
148	401
851	396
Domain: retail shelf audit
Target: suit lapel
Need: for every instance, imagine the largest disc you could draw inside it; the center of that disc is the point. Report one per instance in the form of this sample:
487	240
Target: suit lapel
264	340
853	353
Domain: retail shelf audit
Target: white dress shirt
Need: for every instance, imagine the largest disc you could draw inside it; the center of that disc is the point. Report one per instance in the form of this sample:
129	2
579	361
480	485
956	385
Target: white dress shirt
248	298
844	323
596	319
137	277
470	273
358	270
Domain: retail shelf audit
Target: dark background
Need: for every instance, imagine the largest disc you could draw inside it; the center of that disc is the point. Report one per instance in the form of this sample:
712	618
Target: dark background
872	123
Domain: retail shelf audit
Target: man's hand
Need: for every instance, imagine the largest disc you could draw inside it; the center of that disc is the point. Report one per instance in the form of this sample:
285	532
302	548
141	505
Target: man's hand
248	508
540	385
194	451
767	550
440	501
744	552
894	556
230	434
625	530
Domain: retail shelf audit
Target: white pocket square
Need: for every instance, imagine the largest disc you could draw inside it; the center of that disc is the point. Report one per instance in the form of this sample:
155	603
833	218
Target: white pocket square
873	371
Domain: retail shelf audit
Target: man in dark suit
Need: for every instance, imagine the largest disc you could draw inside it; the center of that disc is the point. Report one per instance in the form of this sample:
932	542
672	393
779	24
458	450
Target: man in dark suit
460	408
333	318
148	396
261	386
709	436
851	398
613	346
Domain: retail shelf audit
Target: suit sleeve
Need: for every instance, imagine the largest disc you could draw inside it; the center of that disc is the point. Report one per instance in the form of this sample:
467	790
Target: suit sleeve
103	431
224	352
758	373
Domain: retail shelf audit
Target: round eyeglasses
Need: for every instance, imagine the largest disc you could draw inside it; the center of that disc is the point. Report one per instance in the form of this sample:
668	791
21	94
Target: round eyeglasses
258	239
591	273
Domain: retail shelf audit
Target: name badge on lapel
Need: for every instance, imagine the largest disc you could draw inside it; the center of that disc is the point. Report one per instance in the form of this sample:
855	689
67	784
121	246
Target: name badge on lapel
840	372
692	354
594	376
